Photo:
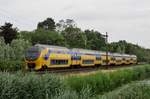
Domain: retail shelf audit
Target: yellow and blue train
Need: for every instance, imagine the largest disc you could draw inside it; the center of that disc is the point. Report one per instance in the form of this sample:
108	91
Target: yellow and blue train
46	56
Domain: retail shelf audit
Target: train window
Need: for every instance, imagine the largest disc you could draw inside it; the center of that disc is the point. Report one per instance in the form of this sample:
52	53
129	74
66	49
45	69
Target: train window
118	60
33	53
59	62
98	58
72	57
105	61
76	58
79	57
88	61
112	58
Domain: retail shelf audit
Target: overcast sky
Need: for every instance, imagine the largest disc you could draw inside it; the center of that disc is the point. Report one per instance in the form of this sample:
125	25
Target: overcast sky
122	19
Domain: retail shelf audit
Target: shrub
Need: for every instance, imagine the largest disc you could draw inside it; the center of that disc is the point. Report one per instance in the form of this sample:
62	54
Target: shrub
19	47
13	51
11	65
29	86
85	93
104	82
67	95
138	90
11	57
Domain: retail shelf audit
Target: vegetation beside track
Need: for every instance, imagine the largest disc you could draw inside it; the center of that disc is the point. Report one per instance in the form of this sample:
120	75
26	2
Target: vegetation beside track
50	86
136	90
29	86
100	69
11	65
100	83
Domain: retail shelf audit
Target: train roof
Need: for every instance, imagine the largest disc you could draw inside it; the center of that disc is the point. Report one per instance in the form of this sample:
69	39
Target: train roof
124	55
83	51
52	47
86	51
134	56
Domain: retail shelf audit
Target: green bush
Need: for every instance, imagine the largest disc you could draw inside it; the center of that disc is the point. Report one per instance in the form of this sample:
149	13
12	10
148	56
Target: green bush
85	93
15	50
29	86
47	86
11	65
19	46
104	82
138	90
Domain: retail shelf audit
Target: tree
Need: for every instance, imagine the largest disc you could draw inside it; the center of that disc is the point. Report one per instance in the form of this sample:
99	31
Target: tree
95	40
25	35
19	47
47	37
2	50
13	51
9	52
129	48
63	24
118	50
8	32
74	37
48	24
119	47
70	23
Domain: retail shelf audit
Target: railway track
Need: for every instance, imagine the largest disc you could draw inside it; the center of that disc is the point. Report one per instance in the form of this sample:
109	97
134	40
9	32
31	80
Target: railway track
86	69
64	71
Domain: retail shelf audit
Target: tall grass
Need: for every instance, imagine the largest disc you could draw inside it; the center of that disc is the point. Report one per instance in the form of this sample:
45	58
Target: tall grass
29	86
47	86
138	90
70	94
100	83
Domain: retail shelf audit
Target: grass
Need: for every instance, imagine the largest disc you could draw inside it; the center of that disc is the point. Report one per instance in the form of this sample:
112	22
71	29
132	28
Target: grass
100	83
136	90
29	86
49	86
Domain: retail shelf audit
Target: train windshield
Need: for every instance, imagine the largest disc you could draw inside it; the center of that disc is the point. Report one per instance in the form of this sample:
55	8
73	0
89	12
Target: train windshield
32	54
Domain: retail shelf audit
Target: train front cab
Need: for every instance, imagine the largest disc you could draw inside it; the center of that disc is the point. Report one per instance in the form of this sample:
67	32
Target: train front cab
33	65
34	58
49	59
